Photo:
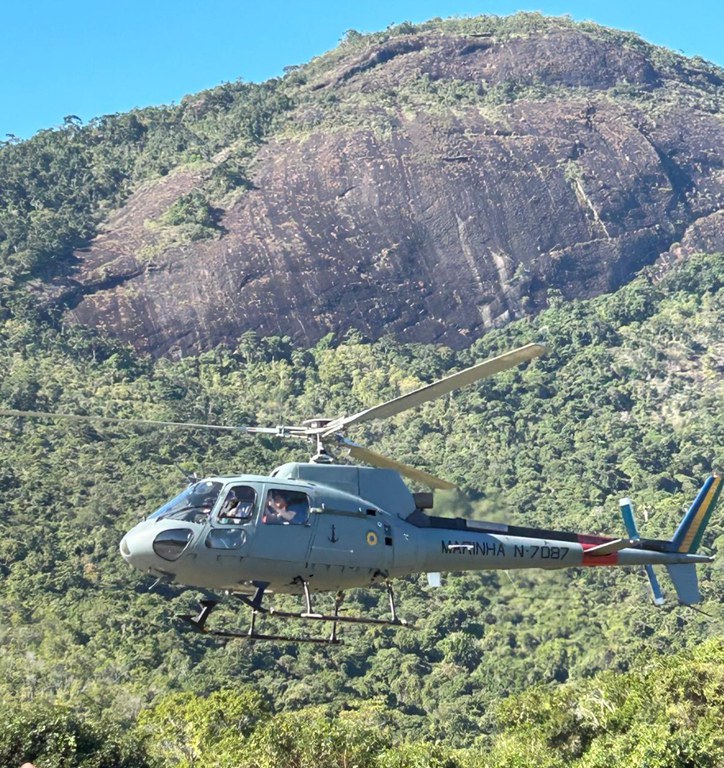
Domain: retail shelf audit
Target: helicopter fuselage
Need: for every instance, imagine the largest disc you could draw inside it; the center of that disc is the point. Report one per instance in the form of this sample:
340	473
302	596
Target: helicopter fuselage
279	532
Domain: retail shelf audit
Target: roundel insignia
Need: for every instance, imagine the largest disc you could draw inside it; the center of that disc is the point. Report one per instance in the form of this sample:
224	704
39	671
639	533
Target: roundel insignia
371	538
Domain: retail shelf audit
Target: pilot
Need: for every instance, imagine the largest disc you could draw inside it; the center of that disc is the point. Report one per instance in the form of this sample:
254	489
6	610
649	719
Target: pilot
230	510
204	495
238	504
247	498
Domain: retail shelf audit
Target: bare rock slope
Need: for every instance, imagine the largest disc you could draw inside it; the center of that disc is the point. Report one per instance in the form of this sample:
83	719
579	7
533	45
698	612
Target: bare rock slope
431	184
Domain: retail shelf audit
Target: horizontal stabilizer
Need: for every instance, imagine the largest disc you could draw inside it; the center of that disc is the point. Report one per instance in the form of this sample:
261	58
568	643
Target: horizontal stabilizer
686	582
611	546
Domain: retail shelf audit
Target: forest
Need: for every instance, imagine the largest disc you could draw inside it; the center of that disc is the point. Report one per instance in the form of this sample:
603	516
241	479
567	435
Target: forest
530	668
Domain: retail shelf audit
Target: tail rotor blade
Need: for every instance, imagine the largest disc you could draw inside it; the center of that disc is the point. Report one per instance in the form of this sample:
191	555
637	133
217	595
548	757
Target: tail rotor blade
628	518
630	522
656	593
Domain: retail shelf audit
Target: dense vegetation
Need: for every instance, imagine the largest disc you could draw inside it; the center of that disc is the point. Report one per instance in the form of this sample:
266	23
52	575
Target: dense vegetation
56	187
627	402
668	713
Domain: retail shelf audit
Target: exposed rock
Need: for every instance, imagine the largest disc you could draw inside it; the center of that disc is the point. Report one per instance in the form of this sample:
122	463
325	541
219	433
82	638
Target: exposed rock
560	57
430	220
705	235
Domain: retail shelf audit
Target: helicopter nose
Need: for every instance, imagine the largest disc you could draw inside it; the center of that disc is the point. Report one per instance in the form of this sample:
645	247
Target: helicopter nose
150	547
137	548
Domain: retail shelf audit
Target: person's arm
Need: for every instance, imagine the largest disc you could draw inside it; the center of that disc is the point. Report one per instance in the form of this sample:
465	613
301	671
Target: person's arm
270	513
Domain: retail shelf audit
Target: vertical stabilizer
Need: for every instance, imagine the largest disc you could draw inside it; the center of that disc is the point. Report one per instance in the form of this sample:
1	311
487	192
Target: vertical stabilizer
688	535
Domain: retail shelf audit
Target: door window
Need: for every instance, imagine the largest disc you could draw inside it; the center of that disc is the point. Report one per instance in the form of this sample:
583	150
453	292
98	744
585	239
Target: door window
238	506
226	538
285	507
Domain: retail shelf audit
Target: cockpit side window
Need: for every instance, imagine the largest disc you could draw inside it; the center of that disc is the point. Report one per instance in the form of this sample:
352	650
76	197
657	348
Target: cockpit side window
285	507
238	505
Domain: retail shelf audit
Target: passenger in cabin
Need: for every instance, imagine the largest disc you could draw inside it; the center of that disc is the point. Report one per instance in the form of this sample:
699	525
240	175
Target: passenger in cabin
277	509
299	507
286	508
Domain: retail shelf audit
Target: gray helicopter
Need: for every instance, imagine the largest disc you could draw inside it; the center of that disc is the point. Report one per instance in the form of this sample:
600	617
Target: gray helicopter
322	526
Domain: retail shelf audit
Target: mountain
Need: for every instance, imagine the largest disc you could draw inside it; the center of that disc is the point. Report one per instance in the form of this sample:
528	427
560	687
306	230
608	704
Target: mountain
431	182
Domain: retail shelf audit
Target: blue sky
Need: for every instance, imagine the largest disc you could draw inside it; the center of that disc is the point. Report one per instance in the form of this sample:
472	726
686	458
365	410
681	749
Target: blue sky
90	57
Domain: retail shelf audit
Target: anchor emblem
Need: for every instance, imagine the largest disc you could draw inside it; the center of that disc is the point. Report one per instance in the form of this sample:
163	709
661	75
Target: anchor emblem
333	538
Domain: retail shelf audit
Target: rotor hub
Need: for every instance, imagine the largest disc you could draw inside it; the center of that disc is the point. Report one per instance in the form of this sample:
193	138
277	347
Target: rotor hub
322	457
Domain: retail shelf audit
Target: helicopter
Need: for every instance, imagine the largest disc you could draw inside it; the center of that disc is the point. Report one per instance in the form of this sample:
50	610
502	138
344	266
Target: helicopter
326	527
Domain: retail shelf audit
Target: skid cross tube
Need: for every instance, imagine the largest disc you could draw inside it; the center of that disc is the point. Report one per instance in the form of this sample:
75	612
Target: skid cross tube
393	609
311	615
198	622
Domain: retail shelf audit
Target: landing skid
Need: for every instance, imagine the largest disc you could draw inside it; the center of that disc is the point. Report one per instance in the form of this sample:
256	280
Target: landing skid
198	622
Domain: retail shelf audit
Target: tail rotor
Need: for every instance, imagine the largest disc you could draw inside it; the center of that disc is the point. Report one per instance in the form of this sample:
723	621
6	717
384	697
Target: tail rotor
630	522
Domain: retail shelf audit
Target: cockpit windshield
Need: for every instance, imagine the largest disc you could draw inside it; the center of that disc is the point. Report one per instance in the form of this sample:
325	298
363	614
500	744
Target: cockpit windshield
193	505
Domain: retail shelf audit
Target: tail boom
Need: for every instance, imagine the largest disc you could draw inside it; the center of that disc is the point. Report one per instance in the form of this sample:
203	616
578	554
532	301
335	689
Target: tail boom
455	544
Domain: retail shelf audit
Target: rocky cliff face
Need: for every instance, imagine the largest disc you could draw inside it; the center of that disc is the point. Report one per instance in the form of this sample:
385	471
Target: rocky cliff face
430	185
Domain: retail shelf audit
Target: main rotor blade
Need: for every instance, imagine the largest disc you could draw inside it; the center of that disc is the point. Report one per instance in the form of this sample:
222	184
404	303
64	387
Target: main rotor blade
137	422
438	388
378	460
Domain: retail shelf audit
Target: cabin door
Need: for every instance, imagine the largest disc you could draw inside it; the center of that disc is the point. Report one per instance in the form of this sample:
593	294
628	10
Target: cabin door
283	530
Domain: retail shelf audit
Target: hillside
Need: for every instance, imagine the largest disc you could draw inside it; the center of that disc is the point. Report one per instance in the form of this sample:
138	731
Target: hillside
627	403
431	182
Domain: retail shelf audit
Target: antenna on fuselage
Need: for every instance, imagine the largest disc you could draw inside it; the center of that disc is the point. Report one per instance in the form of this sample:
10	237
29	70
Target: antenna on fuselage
190	478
